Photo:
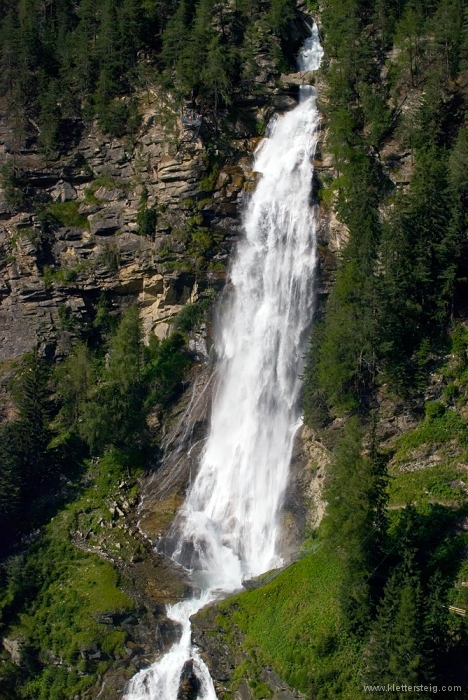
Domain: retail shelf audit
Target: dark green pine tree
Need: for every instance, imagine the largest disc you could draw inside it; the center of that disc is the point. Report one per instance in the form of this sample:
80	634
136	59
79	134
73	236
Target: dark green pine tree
49	117
447	26
31	393
378	650
74	378
216	76
418	267
107	46
131	20
112	413
436	621
409	36
397	653
191	73
10	483
407	661
9	51
26	465
280	15
81	63
354	526
175	37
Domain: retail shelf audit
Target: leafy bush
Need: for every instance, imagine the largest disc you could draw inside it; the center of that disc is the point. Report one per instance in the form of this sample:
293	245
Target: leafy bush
192	315
118	117
13	185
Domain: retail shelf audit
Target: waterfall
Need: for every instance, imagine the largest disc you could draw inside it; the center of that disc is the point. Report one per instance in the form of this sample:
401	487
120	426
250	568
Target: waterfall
229	524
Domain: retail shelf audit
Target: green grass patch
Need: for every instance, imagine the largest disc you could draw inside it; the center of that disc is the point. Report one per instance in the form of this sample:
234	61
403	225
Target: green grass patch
56	594
65	274
107	181
67	214
294	625
439	427
428	460
436	482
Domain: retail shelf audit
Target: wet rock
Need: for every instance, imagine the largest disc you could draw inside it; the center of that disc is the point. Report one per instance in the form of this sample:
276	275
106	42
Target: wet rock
189	686
284	102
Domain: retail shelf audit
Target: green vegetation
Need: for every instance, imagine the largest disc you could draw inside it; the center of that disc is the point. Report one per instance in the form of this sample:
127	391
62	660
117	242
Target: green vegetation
56	599
355	524
437	482
294	624
26	465
193	314
66	214
146	216
61	62
91	402
389	335
13	185
105	404
64	274
371	604
330	623
402	273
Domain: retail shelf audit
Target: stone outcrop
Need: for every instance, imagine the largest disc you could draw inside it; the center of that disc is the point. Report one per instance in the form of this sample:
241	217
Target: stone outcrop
189	683
75	233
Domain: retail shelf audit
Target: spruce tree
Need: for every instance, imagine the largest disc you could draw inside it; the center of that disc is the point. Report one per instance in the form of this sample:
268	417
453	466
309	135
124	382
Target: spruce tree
355	521
112	412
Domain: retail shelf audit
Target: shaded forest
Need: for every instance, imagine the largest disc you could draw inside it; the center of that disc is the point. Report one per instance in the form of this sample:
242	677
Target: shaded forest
62	62
395	321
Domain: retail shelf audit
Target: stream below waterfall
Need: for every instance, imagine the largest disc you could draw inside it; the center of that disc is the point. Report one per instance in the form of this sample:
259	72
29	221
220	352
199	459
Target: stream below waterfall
229	525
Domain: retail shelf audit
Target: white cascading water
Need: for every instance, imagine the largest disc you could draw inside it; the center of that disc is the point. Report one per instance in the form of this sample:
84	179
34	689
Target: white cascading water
229	525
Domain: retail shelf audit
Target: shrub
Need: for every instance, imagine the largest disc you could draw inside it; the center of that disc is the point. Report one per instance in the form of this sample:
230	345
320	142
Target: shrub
14	185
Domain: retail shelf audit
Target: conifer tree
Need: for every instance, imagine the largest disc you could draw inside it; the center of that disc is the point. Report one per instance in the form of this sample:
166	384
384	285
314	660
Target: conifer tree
399	651
355	521
74	378
174	39
111	415
84	48
130	25
107	46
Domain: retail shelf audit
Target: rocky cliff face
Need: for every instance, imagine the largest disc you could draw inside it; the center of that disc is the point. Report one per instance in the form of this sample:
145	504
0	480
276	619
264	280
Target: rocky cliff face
77	226
75	233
